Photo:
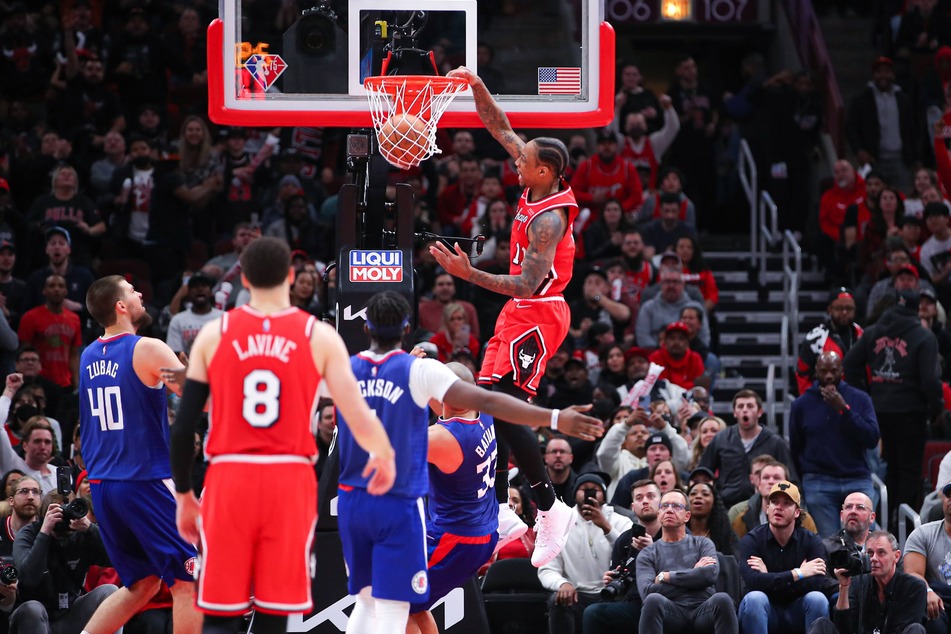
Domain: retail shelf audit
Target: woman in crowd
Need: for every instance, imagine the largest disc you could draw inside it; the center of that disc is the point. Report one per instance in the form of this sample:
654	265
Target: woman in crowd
697	272
706	430
612	366
6	485
708	517
202	173
455	333
602	238
303	292
886	221
666	476
924	180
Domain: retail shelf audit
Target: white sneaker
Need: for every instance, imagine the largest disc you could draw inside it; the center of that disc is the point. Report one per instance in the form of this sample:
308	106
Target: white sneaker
511	526
551	533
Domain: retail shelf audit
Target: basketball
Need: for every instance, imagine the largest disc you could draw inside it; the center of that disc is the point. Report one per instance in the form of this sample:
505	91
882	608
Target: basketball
403	140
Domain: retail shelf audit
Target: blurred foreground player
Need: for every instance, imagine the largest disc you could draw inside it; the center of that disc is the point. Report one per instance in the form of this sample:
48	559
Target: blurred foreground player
383	541
534	322
123	415
461	531
261	364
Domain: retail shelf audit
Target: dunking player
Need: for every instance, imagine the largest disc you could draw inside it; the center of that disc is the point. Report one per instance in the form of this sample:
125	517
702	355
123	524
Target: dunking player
123	417
535	321
262	364
383	541
461	531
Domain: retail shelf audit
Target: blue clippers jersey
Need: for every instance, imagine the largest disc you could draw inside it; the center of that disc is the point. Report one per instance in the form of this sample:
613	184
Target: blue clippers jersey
124	424
463	503
385	387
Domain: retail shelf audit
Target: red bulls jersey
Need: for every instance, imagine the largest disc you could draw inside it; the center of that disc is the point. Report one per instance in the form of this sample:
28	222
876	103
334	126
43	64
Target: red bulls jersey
264	385
560	274
642	158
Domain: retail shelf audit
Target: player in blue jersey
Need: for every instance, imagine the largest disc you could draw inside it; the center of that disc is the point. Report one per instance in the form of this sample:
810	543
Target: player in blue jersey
463	523
123	417
383	536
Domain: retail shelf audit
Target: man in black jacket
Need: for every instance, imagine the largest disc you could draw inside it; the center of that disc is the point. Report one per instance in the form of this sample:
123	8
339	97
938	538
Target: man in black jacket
53	560
902	360
836	334
886	601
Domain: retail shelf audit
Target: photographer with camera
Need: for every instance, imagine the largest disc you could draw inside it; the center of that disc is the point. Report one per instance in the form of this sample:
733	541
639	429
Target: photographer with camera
620	601
24	504
856	517
575	575
53	555
874	597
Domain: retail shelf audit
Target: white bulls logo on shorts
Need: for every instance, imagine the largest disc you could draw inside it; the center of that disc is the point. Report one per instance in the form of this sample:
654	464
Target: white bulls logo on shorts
527	353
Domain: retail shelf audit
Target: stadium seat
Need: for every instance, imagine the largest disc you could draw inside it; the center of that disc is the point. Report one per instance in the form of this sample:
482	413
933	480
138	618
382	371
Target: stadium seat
729	579
515	601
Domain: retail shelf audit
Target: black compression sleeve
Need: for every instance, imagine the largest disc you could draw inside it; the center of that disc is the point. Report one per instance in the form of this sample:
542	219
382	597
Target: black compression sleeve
194	397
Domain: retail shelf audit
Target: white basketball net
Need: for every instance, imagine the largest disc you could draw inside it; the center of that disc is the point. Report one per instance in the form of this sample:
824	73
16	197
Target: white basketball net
423	97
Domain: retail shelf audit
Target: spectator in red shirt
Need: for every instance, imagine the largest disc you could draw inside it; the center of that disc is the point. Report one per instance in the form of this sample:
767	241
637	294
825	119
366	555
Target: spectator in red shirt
606	175
455	334
456	198
55	333
841	230
682	366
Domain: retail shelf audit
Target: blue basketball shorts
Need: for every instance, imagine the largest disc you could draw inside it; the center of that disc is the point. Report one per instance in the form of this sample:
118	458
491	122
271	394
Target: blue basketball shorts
453	559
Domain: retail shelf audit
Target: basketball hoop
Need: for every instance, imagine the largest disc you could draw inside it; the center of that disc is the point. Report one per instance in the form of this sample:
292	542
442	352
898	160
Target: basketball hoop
406	110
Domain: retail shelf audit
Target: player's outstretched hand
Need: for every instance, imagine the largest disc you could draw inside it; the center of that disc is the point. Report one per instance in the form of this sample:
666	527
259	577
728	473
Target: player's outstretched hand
463	73
455	261
173	376
186	516
573	422
384	473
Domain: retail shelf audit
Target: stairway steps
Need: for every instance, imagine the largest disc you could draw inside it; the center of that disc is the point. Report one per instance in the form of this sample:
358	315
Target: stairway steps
761	338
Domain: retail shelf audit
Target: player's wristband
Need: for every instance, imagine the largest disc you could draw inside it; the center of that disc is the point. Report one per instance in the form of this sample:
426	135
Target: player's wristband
554	419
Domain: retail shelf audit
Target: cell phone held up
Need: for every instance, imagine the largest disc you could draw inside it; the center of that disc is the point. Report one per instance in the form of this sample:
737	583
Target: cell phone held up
637	531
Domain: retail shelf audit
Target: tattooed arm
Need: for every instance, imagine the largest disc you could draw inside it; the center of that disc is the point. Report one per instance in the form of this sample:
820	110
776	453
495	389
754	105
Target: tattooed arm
544	234
494	118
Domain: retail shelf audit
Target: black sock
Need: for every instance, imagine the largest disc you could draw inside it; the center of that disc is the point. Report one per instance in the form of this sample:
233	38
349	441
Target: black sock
262	623
222	624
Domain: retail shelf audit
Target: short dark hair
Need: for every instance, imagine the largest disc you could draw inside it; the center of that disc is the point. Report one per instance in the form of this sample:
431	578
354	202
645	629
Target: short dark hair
388	315
22	350
265	262
748	394
669	198
644	483
101	299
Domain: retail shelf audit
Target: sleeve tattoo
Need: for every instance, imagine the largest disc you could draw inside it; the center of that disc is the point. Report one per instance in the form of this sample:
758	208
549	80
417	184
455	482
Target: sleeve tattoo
544	234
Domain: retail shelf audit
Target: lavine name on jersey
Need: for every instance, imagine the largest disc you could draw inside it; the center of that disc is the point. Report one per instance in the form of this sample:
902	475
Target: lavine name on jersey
376	266
487	439
265	346
380	387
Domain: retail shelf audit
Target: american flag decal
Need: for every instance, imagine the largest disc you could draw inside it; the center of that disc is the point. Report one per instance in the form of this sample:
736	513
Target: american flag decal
559	81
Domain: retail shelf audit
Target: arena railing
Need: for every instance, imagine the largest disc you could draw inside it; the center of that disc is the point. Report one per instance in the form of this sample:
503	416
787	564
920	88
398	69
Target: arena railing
906	514
748	182
881	515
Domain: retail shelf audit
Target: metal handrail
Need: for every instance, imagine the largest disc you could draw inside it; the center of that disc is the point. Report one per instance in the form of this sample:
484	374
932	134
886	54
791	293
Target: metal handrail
906	513
746	168
882	516
792	278
783	371
771	397
769	233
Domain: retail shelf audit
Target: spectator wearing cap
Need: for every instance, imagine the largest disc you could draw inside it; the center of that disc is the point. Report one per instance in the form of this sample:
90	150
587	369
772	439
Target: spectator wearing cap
131	189
837	333
831	425
899	259
682	366
929	310
748	514
658	448
936	250
840	230
676	578
927	553
665	309
66	207
14	293
596	305
662	233
606	174
200	309
730	452
575	575
881	126
900	358
784	568
78	278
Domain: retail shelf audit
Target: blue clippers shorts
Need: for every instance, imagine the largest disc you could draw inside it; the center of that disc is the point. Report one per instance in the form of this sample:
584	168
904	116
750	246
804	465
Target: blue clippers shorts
453	559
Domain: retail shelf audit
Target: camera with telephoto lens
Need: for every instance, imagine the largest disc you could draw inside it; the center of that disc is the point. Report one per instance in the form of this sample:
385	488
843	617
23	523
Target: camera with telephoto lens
622	583
8	572
75	510
850	559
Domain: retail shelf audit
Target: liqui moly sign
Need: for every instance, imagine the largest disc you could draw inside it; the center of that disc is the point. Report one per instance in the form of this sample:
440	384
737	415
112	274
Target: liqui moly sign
376	266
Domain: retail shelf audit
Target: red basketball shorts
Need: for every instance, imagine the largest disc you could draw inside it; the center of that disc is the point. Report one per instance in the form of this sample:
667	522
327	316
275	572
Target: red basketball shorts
527	334
257	531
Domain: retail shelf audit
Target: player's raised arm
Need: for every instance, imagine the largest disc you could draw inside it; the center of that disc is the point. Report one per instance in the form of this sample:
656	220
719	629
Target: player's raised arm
494	118
333	362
